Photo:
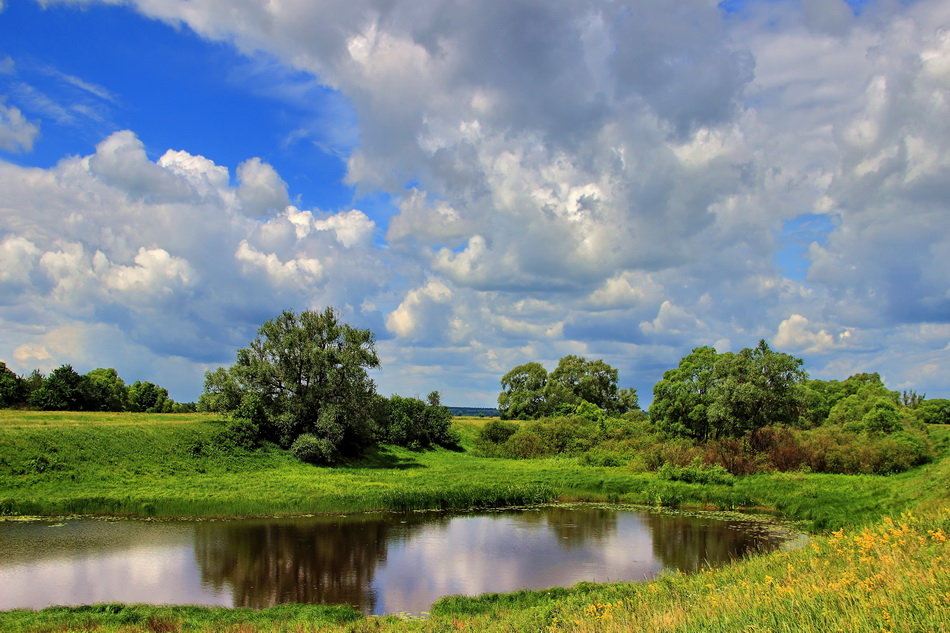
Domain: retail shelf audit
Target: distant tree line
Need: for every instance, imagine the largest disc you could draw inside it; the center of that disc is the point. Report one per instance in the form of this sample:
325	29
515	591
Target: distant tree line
740	412
99	390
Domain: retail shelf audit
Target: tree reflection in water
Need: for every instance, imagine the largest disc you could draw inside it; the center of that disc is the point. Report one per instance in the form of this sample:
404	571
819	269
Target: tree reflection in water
574	527
341	560
308	561
690	543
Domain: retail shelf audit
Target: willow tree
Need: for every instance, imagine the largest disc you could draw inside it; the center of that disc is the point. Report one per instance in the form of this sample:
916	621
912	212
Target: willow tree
304	378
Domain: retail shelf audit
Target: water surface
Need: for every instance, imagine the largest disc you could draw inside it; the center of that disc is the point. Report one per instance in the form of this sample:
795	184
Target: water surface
380	563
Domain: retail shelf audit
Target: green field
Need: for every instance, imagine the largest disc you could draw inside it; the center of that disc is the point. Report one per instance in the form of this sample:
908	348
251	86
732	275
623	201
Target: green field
170	466
165	465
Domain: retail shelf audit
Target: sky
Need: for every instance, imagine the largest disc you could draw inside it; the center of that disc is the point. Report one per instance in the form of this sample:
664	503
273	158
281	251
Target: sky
480	184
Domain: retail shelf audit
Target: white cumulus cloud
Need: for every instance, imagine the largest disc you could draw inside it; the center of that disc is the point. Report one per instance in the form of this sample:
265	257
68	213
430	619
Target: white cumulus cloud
17	133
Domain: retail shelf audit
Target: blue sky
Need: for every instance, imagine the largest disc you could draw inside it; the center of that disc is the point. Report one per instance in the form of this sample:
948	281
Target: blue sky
176	90
481	186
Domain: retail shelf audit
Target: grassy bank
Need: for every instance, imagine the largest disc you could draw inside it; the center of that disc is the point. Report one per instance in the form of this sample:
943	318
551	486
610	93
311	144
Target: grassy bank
890	576
882	569
172	466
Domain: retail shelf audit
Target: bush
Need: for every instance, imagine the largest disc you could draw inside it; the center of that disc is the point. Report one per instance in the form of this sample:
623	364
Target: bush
525	444
780	447
239	433
415	424
934	411
882	419
896	453
566	435
601	457
251	408
697	473
735	456
497	431
833	449
314	450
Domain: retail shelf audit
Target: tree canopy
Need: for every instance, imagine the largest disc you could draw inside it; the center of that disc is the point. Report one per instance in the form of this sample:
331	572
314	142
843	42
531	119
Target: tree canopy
13	389
101	389
307	372
523	392
529	391
712	395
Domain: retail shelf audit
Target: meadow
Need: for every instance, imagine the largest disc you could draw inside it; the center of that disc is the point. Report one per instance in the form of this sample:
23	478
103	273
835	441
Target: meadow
878	559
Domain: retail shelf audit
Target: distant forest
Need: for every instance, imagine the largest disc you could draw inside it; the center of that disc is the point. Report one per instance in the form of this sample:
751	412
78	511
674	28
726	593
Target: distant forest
482	412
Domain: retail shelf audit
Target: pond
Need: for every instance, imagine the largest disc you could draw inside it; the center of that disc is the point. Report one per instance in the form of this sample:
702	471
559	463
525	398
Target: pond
379	563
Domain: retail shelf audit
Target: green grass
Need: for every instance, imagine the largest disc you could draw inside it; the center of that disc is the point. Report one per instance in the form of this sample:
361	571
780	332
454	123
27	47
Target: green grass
169	466
884	572
168	619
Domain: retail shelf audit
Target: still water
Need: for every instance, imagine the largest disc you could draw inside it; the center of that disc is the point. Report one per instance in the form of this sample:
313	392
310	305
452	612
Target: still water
385	563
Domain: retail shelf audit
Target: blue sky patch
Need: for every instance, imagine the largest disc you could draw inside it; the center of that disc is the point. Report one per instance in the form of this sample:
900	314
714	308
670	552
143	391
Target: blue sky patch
83	74
794	239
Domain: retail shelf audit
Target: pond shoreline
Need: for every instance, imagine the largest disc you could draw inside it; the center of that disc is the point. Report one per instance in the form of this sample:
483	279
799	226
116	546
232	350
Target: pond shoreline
763	516
379	562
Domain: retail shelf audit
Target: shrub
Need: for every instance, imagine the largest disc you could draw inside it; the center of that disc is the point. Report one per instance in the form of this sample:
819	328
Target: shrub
934	411
524	444
251	408
697	473
239	433
601	457
832	449
566	435
415	424
735	456
314	450
678	452
882	419
780	446
497	431
895	453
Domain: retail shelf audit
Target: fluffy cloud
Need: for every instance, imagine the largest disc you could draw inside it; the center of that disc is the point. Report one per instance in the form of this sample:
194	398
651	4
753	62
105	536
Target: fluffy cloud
797	333
261	189
16	132
162	256
597	178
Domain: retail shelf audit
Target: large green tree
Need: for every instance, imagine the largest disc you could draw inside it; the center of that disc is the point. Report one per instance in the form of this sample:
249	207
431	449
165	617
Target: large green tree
308	373
522	394
711	395
63	390
416	424
13	389
530	392
821	396
934	411
576	379
682	397
147	397
755	388
107	390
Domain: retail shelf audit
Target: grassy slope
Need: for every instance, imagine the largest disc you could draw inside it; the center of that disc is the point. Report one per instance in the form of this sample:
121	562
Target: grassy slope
888	574
155	465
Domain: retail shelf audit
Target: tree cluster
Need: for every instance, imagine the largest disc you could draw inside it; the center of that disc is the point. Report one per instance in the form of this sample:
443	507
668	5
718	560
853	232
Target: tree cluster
413	423
530	392
711	395
303	383
750	411
99	390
